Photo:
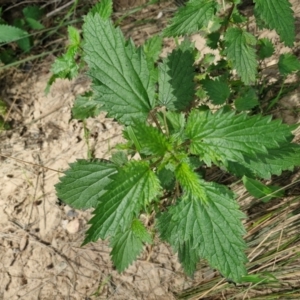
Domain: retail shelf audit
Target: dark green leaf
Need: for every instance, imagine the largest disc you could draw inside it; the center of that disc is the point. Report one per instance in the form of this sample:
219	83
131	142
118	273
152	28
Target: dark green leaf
278	15
176	74
131	188
213	227
191	18
33	12
288	63
128	245
241	53
266	48
123	82
217	89
247	100
85	182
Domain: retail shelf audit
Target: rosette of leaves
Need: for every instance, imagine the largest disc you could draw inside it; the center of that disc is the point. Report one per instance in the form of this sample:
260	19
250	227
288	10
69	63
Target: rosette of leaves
154	99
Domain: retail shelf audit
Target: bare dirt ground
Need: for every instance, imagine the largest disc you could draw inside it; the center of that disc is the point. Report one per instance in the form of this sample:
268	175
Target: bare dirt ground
40	253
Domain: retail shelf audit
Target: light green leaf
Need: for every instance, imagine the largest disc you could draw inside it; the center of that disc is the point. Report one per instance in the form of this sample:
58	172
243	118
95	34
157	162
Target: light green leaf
266	48
132	187
85	106
151	140
247	100
122	79
128	245
278	15
288	63
214	229
152	47
260	190
10	34
74	36
85	182
176	74
217	89
191	18
241	53
65	67
224	136
104	9
190	182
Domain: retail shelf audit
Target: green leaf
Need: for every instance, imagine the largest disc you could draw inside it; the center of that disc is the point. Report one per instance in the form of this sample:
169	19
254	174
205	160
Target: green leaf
104	9
33	12
152	47
128	245
217	89
85	182
213	228
151	140
241	53
247	100
85	106
190	182
24	44
260	190
10	34
132	187
65	67
122	79
278	15
73	36
191	18
176	124
224	137
284	157
266	48
188	256
119	158
212	40
288	63
176	74
34	24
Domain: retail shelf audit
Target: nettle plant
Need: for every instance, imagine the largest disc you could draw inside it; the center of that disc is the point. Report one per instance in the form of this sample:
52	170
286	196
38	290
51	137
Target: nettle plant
154	182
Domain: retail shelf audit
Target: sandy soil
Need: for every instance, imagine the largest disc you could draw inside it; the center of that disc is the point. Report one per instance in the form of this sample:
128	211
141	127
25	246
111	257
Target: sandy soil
40	253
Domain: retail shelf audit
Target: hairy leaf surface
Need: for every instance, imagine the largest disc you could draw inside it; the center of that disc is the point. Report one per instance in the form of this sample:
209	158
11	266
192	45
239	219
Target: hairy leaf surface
214	228
123	82
224	136
192	17
278	15
85	182
241	53
151	140
131	188
176	74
